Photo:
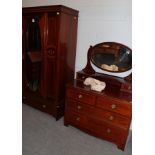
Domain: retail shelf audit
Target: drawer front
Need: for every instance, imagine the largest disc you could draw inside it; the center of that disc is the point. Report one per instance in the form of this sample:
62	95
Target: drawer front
45	107
100	114
108	132
80	96
112	118
96	127
76	119
79	107
123	108
39	103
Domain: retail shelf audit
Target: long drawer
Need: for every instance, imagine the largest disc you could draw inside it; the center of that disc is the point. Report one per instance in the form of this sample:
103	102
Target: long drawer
100	114
96	127
109	132
113	105
39	103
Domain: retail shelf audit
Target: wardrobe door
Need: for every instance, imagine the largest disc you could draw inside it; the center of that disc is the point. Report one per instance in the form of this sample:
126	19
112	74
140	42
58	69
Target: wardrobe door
51	54
32	50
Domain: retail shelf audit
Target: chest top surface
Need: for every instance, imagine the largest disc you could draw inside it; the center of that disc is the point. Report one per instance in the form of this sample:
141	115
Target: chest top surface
110	92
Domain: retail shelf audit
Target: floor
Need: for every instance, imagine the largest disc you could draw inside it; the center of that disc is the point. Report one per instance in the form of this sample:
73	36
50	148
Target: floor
43	135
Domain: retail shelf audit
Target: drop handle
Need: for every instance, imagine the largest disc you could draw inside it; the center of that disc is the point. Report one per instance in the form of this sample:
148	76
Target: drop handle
78	118
83	77
44	106
113	106
111	118
80	96
79	107
108	131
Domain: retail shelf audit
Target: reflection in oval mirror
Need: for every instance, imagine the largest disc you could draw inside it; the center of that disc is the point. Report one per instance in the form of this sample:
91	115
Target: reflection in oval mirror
111	56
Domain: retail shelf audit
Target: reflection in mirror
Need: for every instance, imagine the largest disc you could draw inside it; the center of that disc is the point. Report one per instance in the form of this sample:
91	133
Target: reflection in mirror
33	70
111	56
33	57
33	35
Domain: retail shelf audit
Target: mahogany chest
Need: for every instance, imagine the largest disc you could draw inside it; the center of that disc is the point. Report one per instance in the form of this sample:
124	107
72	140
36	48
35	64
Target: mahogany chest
106	115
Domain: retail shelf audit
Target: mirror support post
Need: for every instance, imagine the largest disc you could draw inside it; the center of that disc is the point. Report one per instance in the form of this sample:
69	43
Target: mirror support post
88	68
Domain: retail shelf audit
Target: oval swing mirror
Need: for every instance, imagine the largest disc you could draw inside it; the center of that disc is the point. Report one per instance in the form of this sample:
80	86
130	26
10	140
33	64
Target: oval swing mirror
111	56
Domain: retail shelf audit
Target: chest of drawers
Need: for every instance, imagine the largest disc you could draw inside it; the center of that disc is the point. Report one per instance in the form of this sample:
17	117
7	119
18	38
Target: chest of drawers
105	115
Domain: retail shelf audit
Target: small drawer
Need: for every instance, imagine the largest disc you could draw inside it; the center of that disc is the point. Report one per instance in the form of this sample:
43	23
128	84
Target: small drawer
120	107
80	107
81	96
75	118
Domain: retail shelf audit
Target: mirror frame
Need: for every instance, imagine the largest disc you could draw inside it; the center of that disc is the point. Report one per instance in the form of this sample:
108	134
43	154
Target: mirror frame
109	47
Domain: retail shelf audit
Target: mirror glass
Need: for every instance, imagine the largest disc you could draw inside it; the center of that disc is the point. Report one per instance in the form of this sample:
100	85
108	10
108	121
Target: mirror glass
111	56
33	53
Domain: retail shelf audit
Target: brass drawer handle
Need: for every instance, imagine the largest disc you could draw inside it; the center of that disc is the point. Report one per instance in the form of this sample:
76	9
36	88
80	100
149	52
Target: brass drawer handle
83	77
111	118
79	107
129	87
113	106
108	131
44	106
78	118
80	96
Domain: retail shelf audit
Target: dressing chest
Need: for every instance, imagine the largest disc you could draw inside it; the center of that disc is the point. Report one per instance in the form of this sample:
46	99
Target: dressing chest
106	114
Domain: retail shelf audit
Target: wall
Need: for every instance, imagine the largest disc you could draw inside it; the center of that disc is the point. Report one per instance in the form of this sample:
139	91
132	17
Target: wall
99	21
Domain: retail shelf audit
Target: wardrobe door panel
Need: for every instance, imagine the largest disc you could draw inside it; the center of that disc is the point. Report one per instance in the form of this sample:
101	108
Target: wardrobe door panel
51	76
32	42
51	54
34	31
52	29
